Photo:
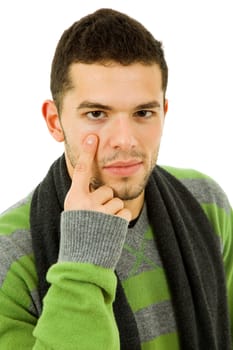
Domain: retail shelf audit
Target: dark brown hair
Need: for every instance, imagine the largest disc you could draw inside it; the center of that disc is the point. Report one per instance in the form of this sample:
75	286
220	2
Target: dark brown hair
104	36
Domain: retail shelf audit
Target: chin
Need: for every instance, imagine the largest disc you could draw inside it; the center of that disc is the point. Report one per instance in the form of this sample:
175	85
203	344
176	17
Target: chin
126	189
128	192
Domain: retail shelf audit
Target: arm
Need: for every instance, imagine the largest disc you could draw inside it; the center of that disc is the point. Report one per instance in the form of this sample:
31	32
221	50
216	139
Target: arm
18	316
19	307
77	309
78	306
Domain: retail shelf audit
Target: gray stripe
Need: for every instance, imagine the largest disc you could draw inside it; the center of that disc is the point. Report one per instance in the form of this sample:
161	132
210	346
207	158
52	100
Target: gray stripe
207	191
91	236
12	248
138	254
129	265
155	320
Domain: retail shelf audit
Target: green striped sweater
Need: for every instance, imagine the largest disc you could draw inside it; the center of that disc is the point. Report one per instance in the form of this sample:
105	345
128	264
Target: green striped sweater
83	284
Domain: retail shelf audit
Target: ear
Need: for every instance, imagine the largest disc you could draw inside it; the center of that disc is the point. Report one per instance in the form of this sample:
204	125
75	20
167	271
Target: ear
165	106
51	116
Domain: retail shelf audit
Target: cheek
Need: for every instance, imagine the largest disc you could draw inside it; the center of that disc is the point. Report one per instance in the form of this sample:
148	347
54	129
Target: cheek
152	143
75	136
152	137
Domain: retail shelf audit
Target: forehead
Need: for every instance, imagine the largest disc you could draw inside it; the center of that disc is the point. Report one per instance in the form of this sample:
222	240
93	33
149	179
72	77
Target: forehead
114	72
115	82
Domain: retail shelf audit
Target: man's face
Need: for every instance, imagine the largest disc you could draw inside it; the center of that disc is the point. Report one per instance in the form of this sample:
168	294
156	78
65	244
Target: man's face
124	107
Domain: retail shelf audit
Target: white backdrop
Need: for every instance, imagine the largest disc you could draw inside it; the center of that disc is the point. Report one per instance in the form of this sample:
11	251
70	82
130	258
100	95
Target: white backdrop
198	42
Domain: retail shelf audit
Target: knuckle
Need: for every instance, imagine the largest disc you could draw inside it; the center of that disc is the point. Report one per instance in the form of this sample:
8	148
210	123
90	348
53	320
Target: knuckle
119	202
125	214
106	191
109	191
80	167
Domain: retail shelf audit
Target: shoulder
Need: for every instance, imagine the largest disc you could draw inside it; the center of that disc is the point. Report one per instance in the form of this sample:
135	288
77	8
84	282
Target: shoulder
16	217
203	187
15	237
212	200
17	267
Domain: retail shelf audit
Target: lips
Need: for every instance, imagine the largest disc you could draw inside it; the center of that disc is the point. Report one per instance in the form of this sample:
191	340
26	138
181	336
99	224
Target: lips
123	168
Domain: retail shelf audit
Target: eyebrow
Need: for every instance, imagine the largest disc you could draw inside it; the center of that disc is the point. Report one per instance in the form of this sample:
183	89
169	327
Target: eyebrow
152	104
96	105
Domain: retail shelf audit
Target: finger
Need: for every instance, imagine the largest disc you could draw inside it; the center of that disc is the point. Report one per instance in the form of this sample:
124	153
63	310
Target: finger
125	214
83	169
113	206
103	194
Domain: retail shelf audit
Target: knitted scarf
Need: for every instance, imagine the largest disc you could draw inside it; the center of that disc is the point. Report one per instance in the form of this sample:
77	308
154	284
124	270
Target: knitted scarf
186	242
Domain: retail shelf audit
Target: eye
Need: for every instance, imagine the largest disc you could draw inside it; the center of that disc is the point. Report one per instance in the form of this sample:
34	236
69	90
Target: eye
94	115
144	113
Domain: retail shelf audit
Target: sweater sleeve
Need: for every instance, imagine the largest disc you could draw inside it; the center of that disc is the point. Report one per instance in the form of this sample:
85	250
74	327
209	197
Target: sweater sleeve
19	306
77	311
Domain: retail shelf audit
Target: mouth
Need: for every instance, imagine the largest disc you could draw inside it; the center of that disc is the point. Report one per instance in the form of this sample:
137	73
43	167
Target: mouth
123	168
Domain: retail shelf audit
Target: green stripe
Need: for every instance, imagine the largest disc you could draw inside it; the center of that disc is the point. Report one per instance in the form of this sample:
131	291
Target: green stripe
149	235
19	282
218	218
164	342
181	173
155	284
15	219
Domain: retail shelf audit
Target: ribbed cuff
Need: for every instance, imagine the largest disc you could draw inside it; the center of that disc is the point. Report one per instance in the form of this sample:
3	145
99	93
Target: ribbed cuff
92	237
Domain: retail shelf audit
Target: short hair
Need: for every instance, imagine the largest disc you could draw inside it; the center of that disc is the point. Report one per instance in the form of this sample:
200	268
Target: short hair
104	36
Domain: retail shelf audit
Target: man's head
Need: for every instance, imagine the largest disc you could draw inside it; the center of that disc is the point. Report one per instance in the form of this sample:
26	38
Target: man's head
102	37
109	79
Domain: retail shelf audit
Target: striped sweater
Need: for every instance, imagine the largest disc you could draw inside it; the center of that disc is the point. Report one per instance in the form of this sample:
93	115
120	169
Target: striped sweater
76	285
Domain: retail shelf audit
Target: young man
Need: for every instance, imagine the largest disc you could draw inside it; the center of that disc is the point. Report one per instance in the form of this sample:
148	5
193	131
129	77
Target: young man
111	251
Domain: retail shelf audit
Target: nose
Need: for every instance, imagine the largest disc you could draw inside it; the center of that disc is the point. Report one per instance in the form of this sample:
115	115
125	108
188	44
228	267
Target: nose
122	134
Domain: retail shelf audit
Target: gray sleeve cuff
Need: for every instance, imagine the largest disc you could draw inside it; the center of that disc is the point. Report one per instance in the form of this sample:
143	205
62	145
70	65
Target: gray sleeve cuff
92	237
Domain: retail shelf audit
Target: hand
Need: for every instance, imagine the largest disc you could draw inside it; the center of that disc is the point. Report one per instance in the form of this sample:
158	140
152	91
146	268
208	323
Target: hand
80	196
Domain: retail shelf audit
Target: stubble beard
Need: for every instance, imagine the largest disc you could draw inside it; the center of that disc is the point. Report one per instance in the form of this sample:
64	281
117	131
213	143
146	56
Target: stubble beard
127	190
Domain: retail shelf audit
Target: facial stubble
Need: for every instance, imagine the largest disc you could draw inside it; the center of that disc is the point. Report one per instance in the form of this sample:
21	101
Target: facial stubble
128	190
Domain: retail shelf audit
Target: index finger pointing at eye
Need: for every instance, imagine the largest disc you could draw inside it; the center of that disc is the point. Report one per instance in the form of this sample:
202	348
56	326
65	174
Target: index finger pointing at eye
83	169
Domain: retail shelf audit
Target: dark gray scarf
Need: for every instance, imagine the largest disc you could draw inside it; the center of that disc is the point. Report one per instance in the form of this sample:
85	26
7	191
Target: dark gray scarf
188	247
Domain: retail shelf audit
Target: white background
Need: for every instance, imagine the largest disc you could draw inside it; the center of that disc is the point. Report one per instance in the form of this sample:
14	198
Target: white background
198	43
